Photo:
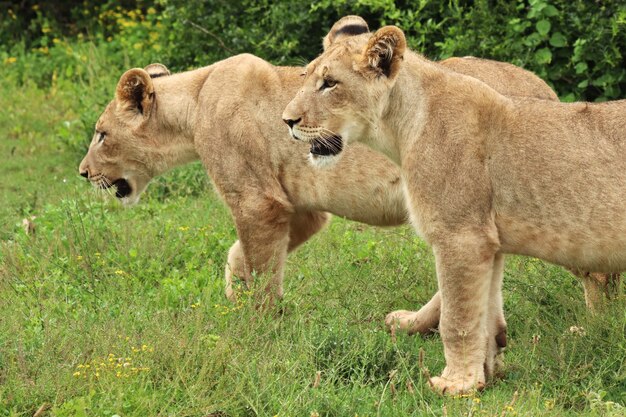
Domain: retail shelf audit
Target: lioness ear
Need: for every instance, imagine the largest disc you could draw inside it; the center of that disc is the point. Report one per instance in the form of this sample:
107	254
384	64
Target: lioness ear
385	51
135	93
346	26
157	70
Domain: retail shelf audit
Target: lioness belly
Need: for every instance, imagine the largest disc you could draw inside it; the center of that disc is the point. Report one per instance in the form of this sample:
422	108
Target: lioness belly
559	187
363	186
574	246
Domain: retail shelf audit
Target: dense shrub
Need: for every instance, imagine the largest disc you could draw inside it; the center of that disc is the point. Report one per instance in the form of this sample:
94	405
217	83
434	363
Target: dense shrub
43	42
575	45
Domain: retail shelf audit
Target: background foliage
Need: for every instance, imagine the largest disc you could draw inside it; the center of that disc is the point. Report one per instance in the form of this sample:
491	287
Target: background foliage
575	45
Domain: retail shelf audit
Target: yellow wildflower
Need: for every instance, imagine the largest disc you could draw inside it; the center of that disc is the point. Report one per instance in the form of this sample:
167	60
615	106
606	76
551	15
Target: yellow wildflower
76	374
119	272
10	60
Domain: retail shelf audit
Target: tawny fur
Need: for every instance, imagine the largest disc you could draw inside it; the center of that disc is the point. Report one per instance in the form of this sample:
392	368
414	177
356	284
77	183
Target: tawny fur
485	175
228	114
277	200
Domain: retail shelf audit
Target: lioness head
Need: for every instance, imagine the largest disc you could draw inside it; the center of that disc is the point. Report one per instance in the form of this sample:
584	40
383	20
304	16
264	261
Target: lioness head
351	79
121	152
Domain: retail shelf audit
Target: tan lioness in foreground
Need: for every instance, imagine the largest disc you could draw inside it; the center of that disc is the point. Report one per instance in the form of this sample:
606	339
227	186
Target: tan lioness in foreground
228	115
485	175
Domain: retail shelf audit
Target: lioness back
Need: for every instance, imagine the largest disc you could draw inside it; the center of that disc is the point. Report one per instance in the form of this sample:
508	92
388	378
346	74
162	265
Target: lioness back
507	79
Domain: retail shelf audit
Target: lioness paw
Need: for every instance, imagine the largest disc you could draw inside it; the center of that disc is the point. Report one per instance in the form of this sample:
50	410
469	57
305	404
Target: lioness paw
410	321
456	386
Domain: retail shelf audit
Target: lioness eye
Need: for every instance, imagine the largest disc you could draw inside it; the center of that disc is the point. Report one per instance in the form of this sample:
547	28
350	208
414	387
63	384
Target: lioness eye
328	83
101	137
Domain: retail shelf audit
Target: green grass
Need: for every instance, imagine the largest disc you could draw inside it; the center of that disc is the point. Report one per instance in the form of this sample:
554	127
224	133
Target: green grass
137	294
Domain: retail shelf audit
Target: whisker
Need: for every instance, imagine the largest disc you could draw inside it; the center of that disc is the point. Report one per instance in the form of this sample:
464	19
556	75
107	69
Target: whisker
331	141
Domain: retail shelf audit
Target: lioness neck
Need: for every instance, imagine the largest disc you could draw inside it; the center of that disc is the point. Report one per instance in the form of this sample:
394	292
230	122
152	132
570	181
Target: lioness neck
175	115
399	125
427	98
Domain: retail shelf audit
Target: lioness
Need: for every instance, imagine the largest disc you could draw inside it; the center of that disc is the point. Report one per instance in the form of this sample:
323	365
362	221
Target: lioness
228	115
485	175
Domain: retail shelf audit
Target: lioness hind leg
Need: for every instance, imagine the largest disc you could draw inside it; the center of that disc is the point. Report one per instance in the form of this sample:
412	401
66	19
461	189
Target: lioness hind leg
598	287
423	321
496	339
465	270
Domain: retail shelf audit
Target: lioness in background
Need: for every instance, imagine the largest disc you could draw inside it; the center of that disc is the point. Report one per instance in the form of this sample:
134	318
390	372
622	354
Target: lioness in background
485	175
228	115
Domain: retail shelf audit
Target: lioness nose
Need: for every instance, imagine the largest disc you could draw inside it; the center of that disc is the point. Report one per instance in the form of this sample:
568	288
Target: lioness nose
84	174
291	122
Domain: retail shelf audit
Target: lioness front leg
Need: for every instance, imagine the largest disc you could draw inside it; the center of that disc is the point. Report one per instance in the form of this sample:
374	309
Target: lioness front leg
263	229
426	319
302	225
234	268
465	269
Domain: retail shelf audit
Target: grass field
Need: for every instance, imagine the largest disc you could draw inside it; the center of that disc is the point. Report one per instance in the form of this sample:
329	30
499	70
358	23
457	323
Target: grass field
112	311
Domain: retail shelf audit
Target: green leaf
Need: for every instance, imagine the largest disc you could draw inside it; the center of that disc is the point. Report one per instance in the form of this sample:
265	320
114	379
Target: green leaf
550	11
581	67
568	98
583	84
543	27
543	56
558	40
603	80
532	40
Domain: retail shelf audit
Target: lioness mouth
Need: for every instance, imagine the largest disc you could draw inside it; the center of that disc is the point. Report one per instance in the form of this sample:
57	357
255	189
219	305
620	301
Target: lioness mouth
123	188
326	146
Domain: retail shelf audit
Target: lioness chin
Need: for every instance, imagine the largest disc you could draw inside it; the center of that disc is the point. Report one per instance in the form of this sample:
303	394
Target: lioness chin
485	175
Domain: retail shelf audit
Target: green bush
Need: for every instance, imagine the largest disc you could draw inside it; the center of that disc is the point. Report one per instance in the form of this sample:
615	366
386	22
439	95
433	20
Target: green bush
575	45
48	48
